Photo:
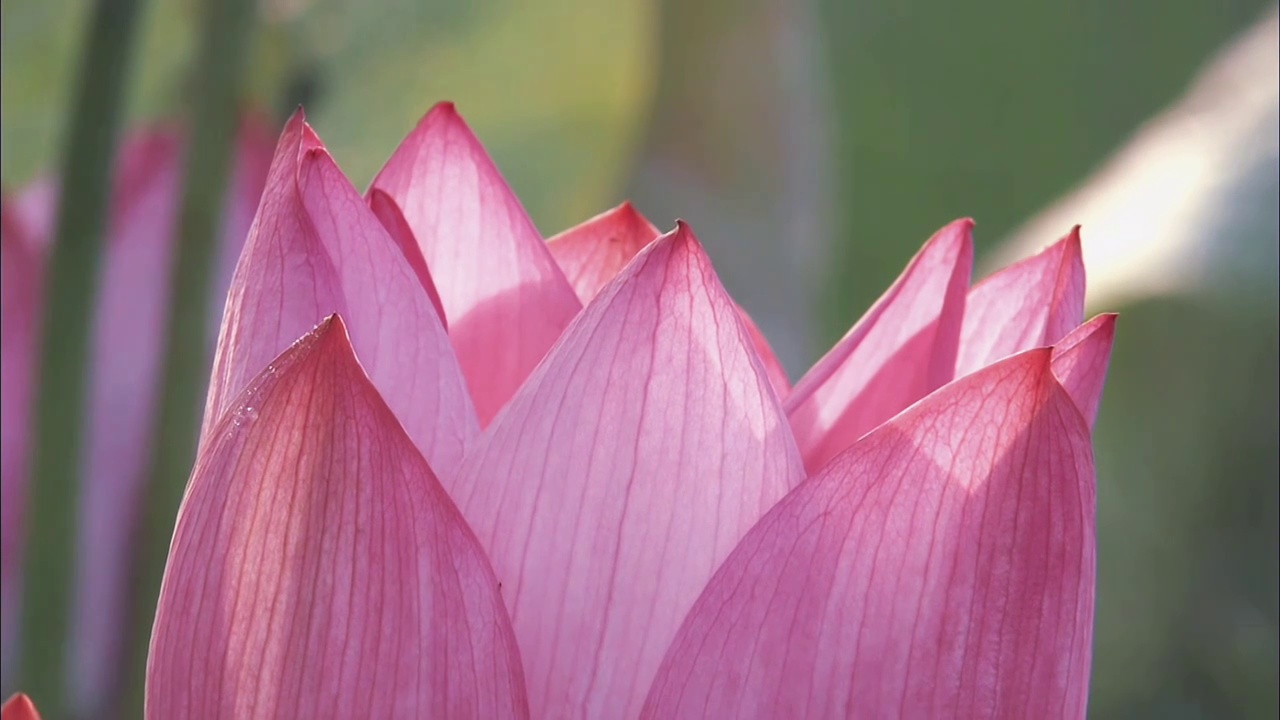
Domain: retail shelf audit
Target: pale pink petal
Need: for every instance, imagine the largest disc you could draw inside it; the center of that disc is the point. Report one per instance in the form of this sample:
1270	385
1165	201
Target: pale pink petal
901	350
19	707
1080	362
941	568
621	474
21	301
592	253
318	569
1033	303
388	213
506	299
316	248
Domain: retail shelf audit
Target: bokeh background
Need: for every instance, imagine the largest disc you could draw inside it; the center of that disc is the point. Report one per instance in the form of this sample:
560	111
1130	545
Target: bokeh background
814	146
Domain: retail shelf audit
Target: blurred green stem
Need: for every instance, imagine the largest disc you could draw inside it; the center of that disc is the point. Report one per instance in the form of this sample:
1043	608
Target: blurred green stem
225	47
72	282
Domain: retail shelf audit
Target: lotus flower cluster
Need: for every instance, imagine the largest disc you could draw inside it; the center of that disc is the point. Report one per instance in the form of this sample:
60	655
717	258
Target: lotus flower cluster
450	469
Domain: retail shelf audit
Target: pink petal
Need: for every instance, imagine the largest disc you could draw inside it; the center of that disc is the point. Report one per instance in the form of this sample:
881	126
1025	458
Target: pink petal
506	300
316	248
901	350
19	707
318	569
942	567
592	253
1080	363
388	213
621	474
1033	303
21	300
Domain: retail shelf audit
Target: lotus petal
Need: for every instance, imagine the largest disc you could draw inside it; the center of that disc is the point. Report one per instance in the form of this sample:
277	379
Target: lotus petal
1032	303
621	474
941	567
319	570
505	298
315	249
901	350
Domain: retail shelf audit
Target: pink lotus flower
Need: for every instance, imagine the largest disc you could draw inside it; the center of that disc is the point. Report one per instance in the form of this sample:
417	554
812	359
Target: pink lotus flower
130	318
509	478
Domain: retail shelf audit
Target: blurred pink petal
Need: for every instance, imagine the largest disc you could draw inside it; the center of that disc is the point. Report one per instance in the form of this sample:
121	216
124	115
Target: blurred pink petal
131	315
318	569
19	707
315	249
621	474
505	298
1080	362
592	253
942	567
901	350
21	302
1032	303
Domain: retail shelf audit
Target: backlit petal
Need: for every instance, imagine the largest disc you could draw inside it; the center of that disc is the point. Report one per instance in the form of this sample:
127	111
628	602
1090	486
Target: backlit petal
1033	303
592	253
942	567
1080	362
901	350
316	248
504	296
319	570
620	476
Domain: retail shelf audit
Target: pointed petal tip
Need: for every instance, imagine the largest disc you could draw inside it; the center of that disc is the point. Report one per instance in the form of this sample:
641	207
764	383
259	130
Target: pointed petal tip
1080	363
297	118
19	707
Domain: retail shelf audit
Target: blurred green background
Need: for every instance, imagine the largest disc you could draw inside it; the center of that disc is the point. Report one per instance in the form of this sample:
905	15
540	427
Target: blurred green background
814	146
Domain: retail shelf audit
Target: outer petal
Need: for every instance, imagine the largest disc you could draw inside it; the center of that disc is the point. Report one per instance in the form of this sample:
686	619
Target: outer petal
1032	303
1080	362
319	570
21	292
901	350
19	707
620	476
504	296
942	567
592	253
316	248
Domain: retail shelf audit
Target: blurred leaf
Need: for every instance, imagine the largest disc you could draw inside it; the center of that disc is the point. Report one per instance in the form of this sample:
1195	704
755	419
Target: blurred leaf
558	92
37	45
991	109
